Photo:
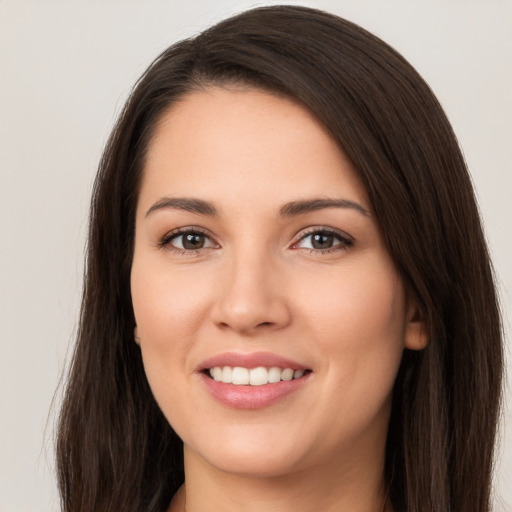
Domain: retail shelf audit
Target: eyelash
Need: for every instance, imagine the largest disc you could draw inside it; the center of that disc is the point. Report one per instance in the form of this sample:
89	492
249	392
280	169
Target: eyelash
346	241
165	242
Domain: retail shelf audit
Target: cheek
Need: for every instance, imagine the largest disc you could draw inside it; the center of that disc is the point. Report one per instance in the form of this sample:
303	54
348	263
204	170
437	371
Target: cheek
167	304
166	307
359	331
358	322
358	305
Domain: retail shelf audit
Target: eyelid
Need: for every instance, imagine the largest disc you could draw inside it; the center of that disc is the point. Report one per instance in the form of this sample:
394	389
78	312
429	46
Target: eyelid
165	241
345	238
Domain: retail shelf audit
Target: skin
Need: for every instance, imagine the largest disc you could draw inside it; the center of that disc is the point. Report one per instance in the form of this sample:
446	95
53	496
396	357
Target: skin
258	284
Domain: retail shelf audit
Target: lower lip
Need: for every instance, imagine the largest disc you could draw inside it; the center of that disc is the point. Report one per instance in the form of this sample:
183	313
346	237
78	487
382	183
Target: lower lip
252	397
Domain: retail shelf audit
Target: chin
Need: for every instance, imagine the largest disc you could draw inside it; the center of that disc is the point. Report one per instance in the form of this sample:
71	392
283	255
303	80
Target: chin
249	457
256	465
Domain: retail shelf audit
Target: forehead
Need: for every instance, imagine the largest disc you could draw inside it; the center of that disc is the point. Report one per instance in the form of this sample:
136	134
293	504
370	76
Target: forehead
245	145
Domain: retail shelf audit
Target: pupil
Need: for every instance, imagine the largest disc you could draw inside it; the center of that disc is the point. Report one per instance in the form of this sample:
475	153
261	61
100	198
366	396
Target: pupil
193	241
322	241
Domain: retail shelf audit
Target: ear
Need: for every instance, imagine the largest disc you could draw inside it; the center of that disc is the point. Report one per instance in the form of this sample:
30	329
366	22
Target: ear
136	336
416	335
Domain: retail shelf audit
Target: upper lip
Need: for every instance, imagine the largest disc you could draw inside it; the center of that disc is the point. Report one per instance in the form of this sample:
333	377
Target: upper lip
250	360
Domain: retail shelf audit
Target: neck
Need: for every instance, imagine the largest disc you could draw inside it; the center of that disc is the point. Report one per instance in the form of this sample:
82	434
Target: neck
358	488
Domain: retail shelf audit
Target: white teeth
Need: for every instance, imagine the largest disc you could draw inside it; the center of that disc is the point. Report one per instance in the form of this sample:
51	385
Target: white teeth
240	376
287	374
258	376
255	376
274	375
227	374
216	373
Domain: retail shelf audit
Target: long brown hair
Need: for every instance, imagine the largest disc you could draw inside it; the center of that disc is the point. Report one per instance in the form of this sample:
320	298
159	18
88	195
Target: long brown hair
115	449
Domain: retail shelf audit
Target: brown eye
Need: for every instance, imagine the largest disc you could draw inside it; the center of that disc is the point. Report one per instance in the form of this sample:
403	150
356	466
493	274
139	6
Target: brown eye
193	241
324	241
188	240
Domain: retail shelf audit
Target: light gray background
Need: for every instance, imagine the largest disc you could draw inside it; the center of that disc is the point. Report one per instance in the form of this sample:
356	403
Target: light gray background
65	69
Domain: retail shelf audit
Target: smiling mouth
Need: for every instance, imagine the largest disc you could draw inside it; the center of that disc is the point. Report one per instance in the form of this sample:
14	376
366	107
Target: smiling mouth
259	376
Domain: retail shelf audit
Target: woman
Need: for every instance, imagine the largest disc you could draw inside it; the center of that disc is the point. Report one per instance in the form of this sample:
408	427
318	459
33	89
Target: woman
288	301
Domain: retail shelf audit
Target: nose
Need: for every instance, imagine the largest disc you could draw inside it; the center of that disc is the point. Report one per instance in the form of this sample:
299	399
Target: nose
251	297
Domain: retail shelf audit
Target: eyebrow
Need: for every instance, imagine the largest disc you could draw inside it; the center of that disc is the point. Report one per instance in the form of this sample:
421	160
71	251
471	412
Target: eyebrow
185	203
291	209
311	205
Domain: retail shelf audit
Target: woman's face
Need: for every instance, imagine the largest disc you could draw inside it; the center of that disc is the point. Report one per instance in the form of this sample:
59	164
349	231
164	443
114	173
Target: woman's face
257	249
